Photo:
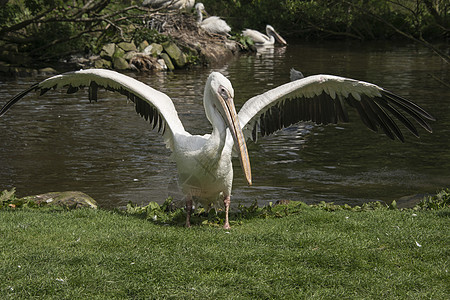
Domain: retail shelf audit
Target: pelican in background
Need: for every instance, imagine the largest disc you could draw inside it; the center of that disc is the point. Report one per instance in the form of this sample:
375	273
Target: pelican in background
204	162
295	75
260	39
211	24
171	4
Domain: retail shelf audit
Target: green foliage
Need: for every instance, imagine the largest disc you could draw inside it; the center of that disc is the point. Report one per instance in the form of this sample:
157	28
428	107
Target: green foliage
244	42
149	35
358	19
439	201
168	214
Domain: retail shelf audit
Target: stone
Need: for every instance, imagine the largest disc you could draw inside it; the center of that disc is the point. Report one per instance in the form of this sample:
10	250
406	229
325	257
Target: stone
129	55
154	49
108	51
70	200
175	53
168	61
103	64
119	52
127	46
120	63
142	46
47	71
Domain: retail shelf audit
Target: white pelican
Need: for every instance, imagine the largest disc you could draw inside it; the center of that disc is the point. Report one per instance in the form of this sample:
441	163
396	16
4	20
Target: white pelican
204	162
211	24
172	4
295	75
260	39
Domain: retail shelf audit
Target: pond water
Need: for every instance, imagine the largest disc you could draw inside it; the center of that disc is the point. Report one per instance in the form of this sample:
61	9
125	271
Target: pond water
61	142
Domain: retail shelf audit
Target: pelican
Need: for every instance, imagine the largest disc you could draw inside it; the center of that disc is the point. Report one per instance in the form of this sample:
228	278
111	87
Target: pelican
172	4
204	162
260	39
211	24
295	75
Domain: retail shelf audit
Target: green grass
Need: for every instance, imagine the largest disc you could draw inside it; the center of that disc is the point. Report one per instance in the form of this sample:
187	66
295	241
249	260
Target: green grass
315	253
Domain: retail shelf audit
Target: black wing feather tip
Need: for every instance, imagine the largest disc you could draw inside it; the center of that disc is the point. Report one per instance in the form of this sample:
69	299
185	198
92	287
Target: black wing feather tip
18	97
419	110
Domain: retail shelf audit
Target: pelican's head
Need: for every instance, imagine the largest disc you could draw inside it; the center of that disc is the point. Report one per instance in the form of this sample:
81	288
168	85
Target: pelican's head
271	32
200	8
219	108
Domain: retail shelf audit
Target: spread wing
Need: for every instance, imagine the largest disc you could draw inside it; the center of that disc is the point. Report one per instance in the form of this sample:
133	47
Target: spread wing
324	99
154	106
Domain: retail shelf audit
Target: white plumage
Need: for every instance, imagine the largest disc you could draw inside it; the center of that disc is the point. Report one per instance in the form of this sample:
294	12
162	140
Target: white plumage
211	24
204	162
260	39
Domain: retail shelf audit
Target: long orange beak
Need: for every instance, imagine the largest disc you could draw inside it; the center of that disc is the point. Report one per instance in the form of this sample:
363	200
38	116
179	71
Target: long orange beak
279	38
238	136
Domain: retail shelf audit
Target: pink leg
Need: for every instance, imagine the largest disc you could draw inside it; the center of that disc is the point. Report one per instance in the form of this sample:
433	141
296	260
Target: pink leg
226	201
188	211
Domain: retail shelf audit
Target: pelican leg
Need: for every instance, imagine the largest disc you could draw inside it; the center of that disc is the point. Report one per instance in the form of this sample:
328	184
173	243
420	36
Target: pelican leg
226	202
188	211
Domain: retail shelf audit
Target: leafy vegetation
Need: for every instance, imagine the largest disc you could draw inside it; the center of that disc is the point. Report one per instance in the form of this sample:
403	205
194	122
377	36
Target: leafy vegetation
361	19
168	214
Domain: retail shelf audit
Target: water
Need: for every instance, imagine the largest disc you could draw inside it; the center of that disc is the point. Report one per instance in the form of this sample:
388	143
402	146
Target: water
62	142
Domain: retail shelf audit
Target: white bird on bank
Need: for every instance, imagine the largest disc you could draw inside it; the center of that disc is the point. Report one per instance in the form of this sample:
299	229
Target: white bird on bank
170	4
204	162
211	24
260	39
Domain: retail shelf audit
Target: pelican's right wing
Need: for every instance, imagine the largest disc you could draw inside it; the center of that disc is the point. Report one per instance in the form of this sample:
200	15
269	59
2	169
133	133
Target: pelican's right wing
323	99
154	106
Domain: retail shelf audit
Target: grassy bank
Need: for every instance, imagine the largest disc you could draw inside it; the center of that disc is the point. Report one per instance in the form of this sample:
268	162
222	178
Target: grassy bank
315	253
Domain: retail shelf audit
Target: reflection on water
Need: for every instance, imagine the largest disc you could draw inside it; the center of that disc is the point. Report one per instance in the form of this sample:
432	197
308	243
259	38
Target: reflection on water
62	142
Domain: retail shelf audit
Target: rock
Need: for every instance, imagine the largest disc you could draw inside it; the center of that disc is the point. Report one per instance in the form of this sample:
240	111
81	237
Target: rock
175	54
47	71
108	51
127	46
103	64
142	46
120	63
168	61
130	55
410	201
153	49
119	52
68	200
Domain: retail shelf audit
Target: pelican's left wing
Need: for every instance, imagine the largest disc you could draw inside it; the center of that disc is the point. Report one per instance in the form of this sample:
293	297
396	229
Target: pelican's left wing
323	99
154	106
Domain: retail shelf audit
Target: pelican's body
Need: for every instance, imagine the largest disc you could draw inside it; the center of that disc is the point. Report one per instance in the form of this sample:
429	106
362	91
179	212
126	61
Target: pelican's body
204	162
260	39
211	24
170	4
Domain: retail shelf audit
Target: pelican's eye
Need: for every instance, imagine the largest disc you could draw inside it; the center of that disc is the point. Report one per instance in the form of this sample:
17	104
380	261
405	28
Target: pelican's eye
223	92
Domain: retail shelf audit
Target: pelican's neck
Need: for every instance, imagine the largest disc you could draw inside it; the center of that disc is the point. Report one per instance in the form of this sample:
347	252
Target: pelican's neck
270	36
199	16
216	141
